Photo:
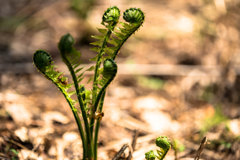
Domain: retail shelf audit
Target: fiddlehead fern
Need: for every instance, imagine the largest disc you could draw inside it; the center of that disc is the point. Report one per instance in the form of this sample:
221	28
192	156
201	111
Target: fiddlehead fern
109	20
150	155
164	145
70	56
111	17
43	62
91	99
109	72
134	15
135	18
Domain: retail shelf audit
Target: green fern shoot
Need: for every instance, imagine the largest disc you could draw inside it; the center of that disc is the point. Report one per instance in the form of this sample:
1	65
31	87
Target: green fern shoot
89	103
164	146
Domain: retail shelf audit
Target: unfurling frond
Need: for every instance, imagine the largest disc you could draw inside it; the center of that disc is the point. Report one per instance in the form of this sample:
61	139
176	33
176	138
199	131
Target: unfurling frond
91	101
150	155
134	19
109	69
43	62
134	15
70	56
111	17
164	145
108	74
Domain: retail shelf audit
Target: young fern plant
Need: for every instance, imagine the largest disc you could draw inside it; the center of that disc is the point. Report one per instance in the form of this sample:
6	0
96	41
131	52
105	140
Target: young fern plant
89	103
164	145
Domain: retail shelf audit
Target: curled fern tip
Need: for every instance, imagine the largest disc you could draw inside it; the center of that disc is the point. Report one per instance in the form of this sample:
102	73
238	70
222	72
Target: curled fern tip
109	68
134	15
111	15
42	59
150	155
163	142
65	43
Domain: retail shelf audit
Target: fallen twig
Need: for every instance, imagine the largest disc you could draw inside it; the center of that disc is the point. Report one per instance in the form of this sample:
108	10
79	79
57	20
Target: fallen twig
200	149
14	142
120	152
134	142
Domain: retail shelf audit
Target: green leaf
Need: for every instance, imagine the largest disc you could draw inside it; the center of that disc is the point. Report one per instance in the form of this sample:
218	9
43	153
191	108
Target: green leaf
90	79
119	35
59	74
80	79
110	51
78	70
96	49
76	65
118	41
97	43
75	60
99	37
80	75
112	42
92	68
71	93
14	151
126	26
103	31
123	30
94	58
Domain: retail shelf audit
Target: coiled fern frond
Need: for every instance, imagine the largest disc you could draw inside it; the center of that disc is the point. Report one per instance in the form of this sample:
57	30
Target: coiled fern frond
108	74
134	19
164	145
70	56
107	46
43	62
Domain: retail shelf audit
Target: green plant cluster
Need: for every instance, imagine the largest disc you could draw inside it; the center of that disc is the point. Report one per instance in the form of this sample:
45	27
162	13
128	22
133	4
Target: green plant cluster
89	103
164	145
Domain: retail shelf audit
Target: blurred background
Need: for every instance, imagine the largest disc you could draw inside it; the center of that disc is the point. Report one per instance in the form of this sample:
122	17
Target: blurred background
178	76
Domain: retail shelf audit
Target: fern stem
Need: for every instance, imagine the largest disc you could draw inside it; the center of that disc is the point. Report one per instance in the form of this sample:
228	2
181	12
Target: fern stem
102	92
109	72
164	144
98	63
96	75
80	100
95	145
80	128
123	41
96	102
66	49
42	61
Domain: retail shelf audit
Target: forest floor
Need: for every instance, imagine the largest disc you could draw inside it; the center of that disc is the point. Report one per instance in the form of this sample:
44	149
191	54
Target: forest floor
172	94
